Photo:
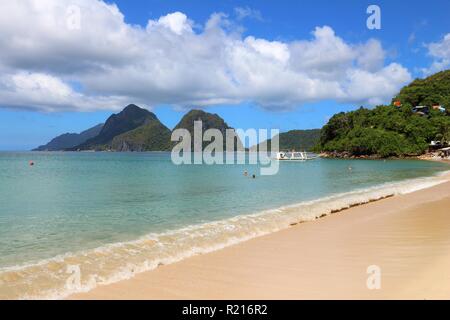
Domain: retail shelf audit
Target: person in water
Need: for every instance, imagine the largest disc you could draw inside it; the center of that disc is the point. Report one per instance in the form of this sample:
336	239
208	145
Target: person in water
245	173
254	176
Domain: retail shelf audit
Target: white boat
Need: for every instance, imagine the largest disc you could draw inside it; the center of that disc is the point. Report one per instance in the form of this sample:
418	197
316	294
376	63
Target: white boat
294	156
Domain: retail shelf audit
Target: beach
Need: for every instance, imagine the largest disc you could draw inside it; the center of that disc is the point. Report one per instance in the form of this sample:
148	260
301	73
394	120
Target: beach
406	238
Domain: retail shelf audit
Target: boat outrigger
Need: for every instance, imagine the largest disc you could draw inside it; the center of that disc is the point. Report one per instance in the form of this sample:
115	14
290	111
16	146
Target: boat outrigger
294	156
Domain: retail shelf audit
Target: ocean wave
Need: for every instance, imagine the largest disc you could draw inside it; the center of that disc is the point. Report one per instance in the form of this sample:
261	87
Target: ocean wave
71	273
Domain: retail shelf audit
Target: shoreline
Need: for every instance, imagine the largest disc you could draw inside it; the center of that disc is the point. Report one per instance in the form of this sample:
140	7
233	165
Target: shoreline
429	156
204	276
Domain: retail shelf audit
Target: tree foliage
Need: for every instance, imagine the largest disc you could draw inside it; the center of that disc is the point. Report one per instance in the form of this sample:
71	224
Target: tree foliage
393	131
434	90
299	140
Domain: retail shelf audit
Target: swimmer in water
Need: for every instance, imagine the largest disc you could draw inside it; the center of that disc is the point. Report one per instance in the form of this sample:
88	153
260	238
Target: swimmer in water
245	173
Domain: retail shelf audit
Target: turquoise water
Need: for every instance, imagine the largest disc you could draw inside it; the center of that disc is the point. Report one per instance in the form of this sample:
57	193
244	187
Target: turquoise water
69	204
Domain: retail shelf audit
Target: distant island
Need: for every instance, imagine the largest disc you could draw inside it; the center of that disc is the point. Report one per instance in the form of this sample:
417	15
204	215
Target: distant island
70	140
138	130
417	116
133	129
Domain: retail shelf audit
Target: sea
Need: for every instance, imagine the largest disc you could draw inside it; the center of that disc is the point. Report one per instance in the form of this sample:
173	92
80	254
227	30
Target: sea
70	222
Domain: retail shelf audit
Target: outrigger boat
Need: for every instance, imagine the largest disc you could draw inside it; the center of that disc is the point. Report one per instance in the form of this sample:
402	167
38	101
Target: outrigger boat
294	156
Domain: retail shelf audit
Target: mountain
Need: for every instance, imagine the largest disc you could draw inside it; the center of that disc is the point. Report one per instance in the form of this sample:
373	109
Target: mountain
153	136
70	140
299	140
393	130
209	121
128	119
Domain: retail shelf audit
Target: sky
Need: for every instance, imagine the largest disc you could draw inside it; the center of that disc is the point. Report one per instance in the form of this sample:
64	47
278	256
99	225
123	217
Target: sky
67	65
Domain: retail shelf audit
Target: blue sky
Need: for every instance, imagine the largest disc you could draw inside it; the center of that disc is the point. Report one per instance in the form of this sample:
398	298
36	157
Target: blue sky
407	29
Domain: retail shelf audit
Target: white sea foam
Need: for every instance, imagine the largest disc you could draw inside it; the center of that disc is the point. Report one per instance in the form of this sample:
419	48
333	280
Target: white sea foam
111	263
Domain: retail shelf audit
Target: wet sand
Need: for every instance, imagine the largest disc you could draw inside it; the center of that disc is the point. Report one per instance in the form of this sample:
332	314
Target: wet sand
407	237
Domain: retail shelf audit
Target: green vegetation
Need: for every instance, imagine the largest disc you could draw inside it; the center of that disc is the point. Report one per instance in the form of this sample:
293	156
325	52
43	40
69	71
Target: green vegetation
390	131
209	121
434	90
153	136
128	119
299	140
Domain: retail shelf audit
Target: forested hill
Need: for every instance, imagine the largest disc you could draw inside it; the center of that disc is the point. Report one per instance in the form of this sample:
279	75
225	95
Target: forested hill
299	140
394	130
434	90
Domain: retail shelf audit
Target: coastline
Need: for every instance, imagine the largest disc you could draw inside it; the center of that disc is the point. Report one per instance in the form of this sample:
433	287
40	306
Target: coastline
407	236
429	156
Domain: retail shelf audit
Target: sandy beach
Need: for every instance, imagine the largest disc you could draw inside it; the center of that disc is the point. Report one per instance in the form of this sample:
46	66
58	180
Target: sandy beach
407	237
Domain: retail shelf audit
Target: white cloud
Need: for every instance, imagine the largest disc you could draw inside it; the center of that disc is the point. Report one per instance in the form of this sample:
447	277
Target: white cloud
326	56
169	63
247	12
273	50
440	52
363	84
177	22
371	56
49	94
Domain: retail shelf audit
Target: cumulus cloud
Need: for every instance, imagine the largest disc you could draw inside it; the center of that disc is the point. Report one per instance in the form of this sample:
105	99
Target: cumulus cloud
170	61
440	52
177	22
47	93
